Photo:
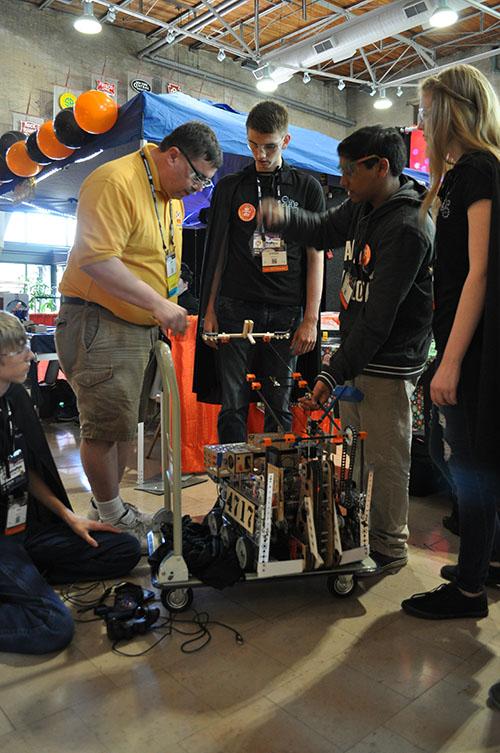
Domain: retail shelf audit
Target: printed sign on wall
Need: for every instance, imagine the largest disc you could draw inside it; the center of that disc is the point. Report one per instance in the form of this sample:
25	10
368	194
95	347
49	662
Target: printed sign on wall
25	123
138	83
104	84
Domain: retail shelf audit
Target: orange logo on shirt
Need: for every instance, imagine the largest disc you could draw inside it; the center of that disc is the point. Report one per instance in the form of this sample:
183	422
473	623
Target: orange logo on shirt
246	212
178	217
366	255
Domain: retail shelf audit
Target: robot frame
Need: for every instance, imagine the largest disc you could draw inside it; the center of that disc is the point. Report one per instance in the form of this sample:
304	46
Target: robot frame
289	504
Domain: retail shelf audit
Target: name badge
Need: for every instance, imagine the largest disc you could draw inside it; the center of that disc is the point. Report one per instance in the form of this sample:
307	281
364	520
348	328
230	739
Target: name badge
262	241
274	260
172	277
13	494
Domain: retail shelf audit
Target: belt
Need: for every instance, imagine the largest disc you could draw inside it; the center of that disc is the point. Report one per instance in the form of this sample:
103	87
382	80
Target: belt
76	301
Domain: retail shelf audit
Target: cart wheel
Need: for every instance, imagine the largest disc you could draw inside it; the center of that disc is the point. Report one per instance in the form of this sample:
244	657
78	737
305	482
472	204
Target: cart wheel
214	521
341	586
228	535
244	553
177	599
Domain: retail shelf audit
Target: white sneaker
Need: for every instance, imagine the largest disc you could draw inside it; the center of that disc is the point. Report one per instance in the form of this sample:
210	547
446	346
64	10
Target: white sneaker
136	524
144	517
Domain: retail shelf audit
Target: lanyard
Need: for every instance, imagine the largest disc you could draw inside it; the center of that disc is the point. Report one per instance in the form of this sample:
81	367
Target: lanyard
276	184
171	244
11	431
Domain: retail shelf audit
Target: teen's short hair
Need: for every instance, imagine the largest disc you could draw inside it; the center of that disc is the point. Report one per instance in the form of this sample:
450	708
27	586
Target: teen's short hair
197	140
384	142
268	117
12	334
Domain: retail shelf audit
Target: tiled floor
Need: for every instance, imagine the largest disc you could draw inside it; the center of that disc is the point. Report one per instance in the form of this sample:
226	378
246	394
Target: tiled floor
315	674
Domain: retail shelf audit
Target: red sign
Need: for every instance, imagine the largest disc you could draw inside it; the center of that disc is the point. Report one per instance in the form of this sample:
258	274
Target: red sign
106	86
173	88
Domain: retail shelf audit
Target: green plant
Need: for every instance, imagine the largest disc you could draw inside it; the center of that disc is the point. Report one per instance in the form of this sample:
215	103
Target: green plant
41	297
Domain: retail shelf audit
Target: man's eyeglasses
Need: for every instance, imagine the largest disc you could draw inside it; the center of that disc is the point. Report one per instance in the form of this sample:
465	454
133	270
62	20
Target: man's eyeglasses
20	352
349	166
198	177
268	149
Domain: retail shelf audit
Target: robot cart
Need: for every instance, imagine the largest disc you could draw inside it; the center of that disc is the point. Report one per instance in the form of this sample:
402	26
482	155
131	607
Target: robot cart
248	502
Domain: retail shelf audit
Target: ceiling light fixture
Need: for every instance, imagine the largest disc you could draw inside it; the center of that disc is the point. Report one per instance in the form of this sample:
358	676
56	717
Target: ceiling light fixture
443	15
87	23
341	85
266	84
382	102
373	91
111	15
170	36
399	92
221	55
306	77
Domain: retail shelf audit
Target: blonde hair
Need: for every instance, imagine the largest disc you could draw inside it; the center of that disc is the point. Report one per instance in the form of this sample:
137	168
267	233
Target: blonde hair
12	334
464	111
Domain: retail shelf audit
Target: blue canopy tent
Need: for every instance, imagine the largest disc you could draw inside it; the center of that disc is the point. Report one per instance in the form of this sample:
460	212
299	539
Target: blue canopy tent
151	117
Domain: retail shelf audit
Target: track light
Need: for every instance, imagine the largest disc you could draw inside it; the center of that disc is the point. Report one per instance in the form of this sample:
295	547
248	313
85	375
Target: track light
306	77
87	23
399	92
170	36
382	102
373	91
221	55
111	15
443	15
341	85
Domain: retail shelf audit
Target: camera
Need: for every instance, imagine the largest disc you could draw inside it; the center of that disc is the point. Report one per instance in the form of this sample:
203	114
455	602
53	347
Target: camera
123	629
128	616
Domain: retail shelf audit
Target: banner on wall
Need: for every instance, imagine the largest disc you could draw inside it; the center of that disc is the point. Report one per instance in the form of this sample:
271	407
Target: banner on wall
64	97
25	123
170	87
104	84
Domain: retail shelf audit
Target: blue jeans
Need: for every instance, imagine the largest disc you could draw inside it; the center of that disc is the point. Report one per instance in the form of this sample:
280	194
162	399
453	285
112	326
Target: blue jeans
33	620
272	363
478	493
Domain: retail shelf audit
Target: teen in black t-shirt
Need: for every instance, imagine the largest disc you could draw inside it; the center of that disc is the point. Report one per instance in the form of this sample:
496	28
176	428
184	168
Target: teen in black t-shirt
241	280
460	116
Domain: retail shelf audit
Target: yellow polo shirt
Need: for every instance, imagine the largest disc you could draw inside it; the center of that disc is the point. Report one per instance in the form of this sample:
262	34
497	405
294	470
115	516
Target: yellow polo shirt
116	217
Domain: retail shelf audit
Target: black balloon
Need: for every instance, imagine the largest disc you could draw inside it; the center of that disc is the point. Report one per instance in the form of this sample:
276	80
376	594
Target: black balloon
5	174
67	130
34	152
9	138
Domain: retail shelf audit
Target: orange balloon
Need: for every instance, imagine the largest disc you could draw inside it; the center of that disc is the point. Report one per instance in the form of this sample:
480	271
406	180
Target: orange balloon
19	162
48	143
95	112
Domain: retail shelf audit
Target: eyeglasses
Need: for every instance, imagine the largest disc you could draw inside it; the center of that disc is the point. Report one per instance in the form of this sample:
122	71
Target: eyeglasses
199	178
268	149
21	352
349	166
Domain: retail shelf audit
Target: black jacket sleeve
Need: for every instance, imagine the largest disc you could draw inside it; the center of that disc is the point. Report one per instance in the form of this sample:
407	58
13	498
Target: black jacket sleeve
401	254
320	229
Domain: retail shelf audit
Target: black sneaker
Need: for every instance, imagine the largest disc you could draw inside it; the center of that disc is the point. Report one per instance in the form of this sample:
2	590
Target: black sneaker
446	602
384	563
494	695
449	572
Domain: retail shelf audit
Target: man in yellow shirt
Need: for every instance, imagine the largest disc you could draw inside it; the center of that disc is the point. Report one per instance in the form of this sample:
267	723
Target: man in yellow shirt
120	284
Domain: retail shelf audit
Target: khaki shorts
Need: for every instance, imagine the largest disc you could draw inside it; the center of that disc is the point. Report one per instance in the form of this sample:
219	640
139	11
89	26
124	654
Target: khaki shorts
110	365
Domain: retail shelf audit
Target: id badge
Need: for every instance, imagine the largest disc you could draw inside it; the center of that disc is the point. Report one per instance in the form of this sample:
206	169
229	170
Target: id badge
274	260
346	290
13	494
172	277
262	241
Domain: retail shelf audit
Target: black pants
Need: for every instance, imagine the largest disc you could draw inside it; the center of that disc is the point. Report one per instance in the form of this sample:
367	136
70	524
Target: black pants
236	358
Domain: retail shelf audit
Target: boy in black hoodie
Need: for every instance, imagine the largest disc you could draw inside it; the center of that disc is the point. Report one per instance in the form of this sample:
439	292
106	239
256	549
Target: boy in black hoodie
41	538
385	314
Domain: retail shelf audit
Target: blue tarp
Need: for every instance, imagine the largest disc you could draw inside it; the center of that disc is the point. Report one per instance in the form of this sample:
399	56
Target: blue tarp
153	116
